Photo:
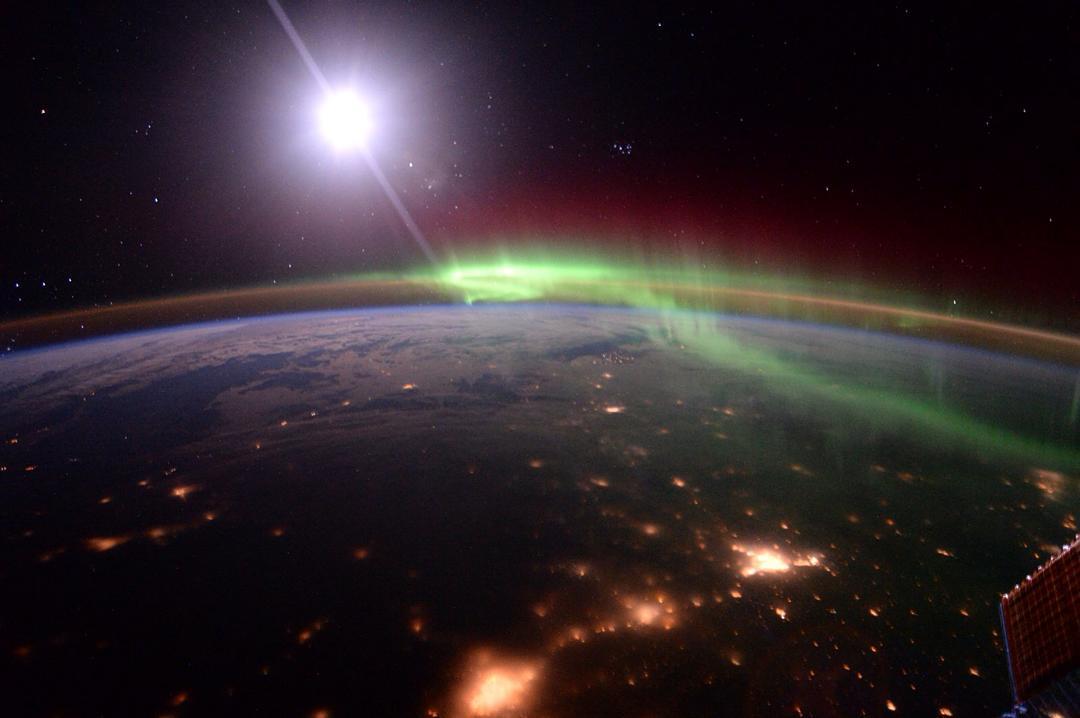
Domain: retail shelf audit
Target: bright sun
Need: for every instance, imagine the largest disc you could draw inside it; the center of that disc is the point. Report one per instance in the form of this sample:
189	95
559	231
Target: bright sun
346	121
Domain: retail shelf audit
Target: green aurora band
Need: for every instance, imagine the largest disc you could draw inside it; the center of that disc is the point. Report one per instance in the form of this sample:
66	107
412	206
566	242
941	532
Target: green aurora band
680	294
687	298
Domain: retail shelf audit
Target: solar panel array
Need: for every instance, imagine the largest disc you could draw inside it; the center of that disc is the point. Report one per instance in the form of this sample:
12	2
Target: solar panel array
1041	617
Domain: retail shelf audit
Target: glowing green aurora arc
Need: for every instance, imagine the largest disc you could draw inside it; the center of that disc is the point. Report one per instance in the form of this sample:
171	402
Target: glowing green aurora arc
688	301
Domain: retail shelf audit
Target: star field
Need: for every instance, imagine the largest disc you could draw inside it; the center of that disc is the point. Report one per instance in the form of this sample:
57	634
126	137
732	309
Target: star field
161	149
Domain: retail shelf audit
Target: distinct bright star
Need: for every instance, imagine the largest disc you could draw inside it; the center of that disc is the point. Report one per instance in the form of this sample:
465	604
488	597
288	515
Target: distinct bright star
346	121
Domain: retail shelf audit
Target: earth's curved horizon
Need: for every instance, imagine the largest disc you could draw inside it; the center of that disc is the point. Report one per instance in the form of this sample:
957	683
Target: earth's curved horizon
523	510
597	284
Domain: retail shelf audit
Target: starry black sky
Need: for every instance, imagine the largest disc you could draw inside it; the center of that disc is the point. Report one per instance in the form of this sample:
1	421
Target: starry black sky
157	148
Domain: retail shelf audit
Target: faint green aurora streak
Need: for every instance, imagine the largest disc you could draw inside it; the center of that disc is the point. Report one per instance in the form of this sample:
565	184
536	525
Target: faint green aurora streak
673	291
876	406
